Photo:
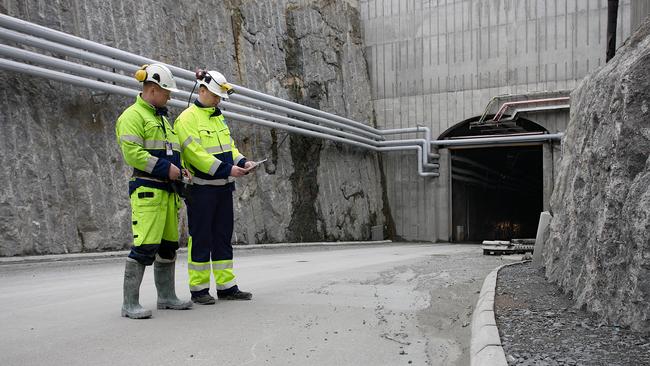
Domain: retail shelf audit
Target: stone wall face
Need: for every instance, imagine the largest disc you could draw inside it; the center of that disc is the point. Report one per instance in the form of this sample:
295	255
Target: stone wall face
599	243
66	183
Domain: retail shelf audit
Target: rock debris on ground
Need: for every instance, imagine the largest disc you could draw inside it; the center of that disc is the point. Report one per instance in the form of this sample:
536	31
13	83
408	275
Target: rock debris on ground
539	325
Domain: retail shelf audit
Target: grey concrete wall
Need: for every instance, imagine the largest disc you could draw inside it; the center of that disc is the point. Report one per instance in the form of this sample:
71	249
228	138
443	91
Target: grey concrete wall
640	10
438	62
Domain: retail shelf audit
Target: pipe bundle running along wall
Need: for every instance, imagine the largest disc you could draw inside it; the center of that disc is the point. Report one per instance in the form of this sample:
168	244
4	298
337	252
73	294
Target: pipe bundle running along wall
251	106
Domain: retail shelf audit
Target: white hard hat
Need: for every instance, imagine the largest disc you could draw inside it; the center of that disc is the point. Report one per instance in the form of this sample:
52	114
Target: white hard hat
215	82
159	74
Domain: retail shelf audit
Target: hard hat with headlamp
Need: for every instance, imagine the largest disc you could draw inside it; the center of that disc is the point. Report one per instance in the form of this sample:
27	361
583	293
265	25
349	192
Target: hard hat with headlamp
158	74
215	82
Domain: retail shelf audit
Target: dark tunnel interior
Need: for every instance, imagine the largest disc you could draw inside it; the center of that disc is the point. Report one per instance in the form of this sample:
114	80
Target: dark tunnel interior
497	193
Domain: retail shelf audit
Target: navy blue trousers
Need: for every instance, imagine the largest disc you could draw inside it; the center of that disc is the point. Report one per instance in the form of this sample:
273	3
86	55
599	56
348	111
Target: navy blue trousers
210	221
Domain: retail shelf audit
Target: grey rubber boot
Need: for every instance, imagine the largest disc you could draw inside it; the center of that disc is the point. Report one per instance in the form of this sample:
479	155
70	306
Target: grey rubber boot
133	272
163	271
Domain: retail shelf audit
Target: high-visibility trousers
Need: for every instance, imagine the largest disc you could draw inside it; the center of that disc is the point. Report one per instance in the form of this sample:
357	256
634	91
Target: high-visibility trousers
154	214
210	221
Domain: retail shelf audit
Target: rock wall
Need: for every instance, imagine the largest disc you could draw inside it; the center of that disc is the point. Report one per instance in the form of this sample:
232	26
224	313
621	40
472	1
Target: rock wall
599	244
65	183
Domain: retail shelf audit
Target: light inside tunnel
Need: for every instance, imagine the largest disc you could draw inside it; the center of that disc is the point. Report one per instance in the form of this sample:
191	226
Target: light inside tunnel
497	192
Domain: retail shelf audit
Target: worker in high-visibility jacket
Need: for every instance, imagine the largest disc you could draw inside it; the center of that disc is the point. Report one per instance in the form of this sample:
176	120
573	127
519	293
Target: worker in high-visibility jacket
209	152
149	144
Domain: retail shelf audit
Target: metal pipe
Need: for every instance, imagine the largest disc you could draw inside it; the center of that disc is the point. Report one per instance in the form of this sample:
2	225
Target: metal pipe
78	42
125	91
511	96
534	109
309	126
300	131
495	135
352	137
499	140
289	111
421	171
74	52
427	137
418	142
110	88
65	50
505	144
89	71
44	44
21	54
376	132
292	121
66	78
487	107
75	41
268	98
505	106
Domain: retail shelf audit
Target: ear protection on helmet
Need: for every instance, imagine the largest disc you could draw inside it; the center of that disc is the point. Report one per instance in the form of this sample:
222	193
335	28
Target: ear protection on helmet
141	74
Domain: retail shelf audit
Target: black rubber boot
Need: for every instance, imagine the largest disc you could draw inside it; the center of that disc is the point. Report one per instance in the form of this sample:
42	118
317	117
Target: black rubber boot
133	272
163	274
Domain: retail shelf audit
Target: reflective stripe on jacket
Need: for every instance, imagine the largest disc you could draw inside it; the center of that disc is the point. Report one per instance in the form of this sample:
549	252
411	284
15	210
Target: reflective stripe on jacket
207	149
142	131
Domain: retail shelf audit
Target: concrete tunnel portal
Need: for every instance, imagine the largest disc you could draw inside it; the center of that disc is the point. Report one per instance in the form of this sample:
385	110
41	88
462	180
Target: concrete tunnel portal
496	190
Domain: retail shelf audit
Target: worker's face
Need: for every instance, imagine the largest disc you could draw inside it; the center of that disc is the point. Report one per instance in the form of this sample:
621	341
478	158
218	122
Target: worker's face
160	96
208	98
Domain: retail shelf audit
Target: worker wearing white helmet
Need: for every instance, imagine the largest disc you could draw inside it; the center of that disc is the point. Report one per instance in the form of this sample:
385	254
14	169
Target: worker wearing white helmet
210	154
216	83
149	145
158	74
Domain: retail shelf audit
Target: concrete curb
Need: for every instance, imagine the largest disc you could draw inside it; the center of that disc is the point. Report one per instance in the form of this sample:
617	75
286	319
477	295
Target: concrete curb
485	343
124	253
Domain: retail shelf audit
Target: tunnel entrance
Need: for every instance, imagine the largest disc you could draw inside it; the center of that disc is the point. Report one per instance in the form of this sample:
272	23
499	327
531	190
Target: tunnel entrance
497	192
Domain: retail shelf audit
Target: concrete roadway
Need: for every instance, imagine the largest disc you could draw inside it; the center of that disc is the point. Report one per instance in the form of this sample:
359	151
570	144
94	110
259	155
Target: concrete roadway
396	304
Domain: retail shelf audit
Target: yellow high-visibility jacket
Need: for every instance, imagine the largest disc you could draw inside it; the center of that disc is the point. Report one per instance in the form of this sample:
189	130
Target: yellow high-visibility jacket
148	143
207	149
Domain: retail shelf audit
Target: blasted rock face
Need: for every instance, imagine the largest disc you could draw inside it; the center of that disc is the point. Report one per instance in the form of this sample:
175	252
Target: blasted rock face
599	244
65	182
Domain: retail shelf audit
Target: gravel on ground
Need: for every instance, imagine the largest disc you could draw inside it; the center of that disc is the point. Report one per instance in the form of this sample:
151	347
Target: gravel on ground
540	325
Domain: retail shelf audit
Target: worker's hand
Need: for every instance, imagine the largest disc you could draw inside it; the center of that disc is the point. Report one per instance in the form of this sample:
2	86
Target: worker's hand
187	174
174	172
249	165
237	171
